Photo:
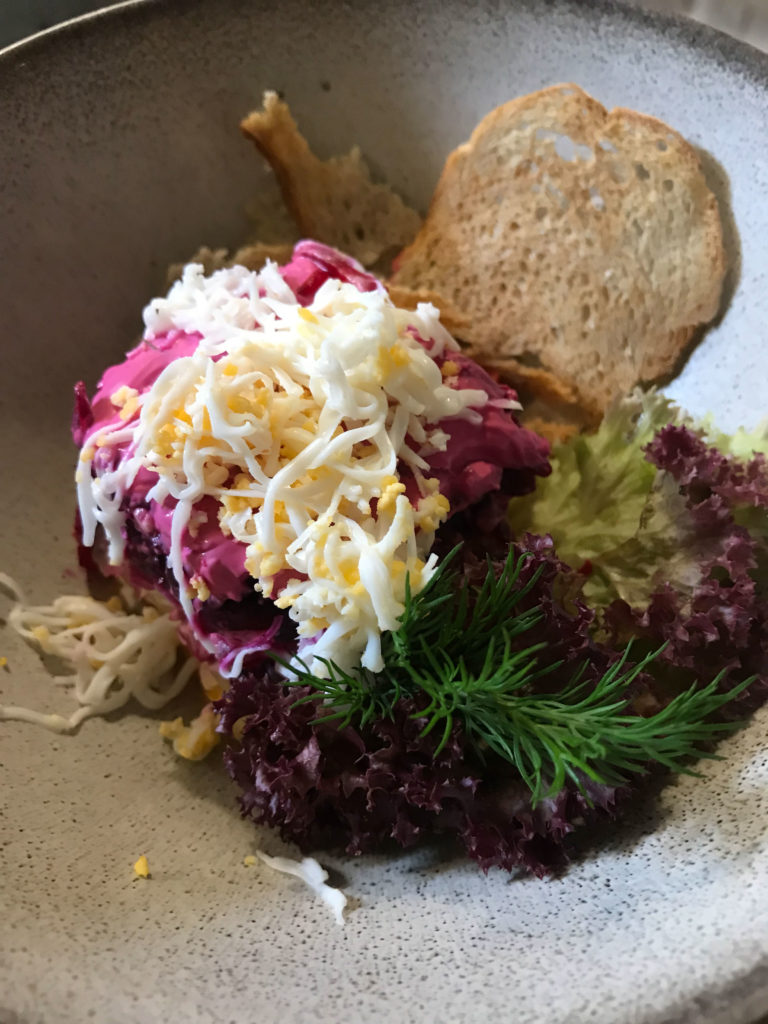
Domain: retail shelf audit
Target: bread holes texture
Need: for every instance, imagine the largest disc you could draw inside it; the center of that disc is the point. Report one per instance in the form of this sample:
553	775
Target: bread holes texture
618	195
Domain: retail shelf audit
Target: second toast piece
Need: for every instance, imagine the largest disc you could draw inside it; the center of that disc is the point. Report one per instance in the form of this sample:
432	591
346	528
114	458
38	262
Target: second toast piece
578	241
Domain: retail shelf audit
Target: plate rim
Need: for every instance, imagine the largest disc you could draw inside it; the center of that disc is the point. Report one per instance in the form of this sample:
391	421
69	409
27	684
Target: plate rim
694	34
746	995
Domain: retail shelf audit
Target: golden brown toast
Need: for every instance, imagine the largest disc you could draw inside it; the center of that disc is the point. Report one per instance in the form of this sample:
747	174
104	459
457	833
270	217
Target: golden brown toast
333	201
580	242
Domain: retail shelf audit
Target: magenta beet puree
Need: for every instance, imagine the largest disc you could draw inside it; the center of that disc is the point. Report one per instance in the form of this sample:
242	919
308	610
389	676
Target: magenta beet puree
491	455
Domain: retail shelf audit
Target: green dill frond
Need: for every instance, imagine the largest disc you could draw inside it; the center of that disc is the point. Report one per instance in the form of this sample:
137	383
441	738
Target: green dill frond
460	653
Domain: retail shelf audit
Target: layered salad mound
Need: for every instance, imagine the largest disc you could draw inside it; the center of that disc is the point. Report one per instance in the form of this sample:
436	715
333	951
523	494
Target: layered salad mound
407	621
279	453
410	617
282	455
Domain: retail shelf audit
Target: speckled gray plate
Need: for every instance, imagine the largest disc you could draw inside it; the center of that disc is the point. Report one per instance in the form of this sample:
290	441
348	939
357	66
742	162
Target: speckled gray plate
119	153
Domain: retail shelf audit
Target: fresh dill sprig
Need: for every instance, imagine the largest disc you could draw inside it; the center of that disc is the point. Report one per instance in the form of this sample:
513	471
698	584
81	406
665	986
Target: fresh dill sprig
451	615
460	650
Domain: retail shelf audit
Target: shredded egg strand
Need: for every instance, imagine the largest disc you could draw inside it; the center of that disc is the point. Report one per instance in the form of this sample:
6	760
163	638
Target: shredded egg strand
297	419
112	653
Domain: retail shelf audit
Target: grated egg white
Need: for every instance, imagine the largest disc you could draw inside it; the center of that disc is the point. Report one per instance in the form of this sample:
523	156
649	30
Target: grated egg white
299	421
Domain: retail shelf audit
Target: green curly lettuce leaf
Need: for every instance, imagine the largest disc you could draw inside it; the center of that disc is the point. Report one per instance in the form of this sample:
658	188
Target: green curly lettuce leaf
612	513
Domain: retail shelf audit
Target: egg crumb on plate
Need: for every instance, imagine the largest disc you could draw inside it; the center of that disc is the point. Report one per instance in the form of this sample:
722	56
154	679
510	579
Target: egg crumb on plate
141	867
196	740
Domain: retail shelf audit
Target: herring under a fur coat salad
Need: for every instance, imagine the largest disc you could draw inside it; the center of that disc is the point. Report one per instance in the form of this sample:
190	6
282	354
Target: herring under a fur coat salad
409	613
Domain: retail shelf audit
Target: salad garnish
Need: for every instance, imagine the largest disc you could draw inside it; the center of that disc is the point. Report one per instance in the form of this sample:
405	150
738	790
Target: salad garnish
409	614
463	654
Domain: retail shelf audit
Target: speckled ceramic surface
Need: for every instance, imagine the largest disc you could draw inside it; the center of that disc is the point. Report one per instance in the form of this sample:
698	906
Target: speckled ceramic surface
119	153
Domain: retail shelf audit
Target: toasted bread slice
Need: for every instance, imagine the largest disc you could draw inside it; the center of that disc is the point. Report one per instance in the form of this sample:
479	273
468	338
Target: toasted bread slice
579	241
253	256
408	298
333	201
550	406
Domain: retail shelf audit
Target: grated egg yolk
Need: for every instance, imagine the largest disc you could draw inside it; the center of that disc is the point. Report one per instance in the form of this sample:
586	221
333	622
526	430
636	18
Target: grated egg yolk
195	741
141	867
298	420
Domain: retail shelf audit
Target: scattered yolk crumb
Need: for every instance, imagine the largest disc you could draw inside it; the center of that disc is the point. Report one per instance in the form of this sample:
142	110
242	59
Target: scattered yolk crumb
399	356
449	368
266	565
249	861
391	488
200	587
3	662
316	625
196	740
141	867
43	637
126	399
432	511
239	728
211	682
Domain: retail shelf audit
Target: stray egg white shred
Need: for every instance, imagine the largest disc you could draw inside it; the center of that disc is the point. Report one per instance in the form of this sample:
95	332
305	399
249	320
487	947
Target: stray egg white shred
136	651
111	655
314	875
308	410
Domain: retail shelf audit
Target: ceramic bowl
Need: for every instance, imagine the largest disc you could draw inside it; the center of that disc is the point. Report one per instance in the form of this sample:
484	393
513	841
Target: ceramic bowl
120	153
